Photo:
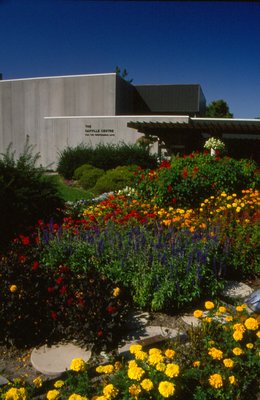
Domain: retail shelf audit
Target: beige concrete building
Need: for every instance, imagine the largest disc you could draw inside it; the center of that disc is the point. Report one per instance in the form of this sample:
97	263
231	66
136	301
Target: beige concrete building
56	112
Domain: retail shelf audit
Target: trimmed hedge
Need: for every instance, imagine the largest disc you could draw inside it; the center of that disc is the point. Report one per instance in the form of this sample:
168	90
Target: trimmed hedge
104	157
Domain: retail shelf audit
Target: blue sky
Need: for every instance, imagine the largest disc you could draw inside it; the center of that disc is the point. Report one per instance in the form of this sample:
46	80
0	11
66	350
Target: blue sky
215	44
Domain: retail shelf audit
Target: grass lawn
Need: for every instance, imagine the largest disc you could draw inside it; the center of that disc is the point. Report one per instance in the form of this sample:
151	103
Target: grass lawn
68	191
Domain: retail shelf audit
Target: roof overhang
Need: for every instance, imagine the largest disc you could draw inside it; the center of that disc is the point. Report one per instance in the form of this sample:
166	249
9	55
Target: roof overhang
202	125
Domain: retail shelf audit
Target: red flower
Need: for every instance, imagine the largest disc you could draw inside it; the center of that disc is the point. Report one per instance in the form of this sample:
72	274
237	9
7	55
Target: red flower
59	280
70	301
195	170
63	268
50	289
111	309
169	188
174	200
35	265
53	315
165	164
184	173
100	333
25	240
63	289
22	259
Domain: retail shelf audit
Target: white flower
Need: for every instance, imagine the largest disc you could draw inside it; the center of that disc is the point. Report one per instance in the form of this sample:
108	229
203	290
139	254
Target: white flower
213	143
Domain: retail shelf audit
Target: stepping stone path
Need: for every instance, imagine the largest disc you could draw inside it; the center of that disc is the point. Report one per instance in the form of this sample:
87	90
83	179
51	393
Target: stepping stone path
55	360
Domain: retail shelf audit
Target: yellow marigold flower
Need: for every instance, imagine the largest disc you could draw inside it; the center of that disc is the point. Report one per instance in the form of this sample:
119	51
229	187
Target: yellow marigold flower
228	363
169	353
141	355
196	363
135	373
238	209
251	324
239	308
237	335
160	367
229	318
215	353
16	394
132	364
108	369
208	319
134	348
198	313
249	345
172	370
154	350
116	292
216	381
13	288
134	390
237	351
53	394
147	385
75	396
209	305
258	334
58	384
222	309
166	389
110	391
37	382
239	328
78	365
232	380
155	358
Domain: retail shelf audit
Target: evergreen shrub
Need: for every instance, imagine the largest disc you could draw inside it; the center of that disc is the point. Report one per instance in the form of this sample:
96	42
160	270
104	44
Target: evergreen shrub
90	177
81	170
104	156
25	194
115	179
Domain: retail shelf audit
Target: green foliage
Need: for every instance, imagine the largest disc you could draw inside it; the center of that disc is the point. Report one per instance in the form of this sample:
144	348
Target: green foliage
81	170
56	298
188	180
115	179
218	109
68	190
103	156
26	194
90	177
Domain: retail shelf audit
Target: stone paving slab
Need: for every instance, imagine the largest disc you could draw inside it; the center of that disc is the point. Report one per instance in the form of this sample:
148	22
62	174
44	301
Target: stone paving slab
236	291
3	381
55	360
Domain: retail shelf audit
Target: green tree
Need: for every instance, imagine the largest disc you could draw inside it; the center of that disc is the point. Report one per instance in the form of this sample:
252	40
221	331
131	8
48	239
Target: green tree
122	73
218	109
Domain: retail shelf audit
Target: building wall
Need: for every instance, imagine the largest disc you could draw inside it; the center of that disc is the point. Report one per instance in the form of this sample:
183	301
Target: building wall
24	103
72	131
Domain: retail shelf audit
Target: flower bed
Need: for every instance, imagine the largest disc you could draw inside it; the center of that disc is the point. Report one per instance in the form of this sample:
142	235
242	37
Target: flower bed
158	246
219	362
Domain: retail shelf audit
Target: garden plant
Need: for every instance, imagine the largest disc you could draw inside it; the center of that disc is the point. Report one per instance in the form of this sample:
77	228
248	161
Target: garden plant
167	242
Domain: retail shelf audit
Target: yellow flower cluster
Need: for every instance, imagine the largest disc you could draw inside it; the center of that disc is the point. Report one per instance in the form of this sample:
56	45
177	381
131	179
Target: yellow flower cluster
78	365
216	381
16	394
216	354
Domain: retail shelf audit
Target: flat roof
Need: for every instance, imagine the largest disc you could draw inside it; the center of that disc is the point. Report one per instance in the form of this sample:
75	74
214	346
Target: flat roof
55	77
